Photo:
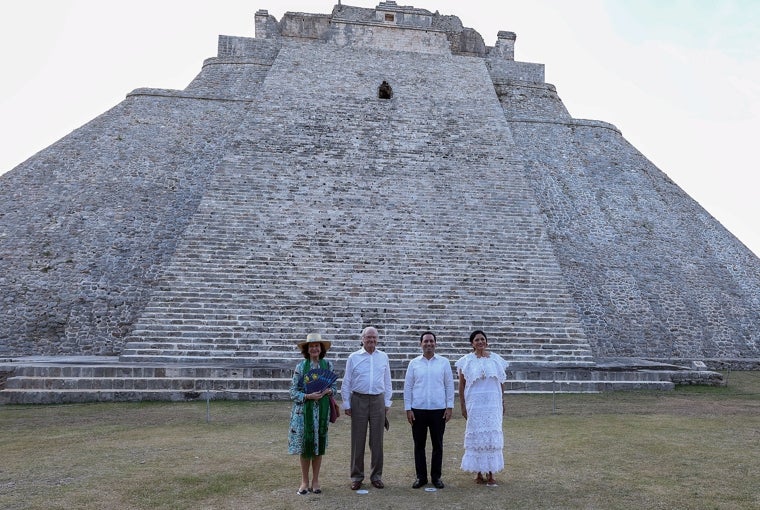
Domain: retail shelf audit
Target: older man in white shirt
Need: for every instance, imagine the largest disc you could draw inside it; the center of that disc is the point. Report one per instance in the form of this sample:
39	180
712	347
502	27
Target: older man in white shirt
428	401
366	392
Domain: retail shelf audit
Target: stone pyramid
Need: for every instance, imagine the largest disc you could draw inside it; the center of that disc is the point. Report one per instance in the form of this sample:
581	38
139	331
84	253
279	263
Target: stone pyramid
365	167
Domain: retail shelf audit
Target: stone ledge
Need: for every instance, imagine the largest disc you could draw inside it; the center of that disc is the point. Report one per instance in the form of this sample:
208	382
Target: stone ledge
179	94
570	123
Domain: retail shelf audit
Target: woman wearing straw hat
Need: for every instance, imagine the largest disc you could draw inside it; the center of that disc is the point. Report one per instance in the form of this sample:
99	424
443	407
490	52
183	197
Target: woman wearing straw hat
310	415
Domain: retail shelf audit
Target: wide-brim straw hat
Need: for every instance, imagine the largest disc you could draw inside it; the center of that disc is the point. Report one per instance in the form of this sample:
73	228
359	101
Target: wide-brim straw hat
315	338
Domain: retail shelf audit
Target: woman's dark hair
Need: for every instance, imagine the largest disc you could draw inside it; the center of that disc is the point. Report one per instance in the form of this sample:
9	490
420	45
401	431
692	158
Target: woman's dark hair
305	350
476	333
428	333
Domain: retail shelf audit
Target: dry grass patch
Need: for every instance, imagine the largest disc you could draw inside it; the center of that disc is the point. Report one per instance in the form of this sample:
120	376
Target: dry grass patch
692	448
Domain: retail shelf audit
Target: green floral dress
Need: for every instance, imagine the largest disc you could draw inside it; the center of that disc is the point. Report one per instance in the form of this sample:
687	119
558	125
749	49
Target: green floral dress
318	419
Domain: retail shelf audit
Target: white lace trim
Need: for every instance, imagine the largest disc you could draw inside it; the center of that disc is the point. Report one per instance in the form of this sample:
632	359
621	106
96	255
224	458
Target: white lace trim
478	368
483	436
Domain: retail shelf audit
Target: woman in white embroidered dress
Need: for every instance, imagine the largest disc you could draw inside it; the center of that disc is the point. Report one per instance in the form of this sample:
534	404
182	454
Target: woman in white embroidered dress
482	375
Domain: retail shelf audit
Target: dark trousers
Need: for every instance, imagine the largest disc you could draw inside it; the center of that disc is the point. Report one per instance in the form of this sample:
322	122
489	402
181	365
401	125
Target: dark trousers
424	420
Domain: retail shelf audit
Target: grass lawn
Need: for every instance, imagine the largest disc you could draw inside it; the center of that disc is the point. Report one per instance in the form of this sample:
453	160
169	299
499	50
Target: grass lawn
692	448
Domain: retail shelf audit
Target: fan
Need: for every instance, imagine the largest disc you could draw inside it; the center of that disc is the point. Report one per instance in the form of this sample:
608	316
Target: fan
318	379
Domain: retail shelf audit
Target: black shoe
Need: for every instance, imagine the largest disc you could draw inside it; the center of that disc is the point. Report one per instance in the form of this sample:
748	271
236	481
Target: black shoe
438	484
418	483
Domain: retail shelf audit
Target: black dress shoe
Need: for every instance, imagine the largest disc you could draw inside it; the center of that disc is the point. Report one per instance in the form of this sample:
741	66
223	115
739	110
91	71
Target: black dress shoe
438	484
418	483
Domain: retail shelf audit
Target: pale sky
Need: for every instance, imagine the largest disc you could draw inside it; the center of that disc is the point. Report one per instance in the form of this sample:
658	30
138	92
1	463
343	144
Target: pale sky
679	78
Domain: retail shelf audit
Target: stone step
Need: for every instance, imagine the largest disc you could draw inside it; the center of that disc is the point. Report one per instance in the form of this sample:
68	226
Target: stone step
535	331
47	384
401	329
148	383
209	326
556	361
508	351
286	352
215	354
258	378
282	369
209	283
289	350
23	396
206	247
547	301
208	310
189	389
192	302
196	332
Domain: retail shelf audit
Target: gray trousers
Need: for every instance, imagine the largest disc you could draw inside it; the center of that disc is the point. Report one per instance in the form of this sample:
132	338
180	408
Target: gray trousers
367	410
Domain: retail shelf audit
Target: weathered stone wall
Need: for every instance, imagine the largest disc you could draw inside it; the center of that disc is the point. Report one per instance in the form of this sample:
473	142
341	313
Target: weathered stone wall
653	274
530	101
302	25
389	37
233	78
466	42
88	222
261	50
390	27
503	70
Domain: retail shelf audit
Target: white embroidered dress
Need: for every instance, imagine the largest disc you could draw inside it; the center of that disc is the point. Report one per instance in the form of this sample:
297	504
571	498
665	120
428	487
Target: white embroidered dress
483	434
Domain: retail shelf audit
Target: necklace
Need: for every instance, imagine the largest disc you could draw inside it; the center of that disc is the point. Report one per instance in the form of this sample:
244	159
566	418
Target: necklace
482	365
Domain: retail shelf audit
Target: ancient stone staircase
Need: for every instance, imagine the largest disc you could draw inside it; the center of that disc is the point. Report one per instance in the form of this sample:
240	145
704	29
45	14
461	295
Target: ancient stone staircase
99	379
307	226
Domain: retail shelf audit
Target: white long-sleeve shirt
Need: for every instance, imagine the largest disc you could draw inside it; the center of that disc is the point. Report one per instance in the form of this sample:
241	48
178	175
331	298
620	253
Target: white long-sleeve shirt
367	373
429	383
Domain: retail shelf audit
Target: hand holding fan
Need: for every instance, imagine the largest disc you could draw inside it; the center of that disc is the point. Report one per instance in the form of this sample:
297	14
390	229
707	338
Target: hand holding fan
319	379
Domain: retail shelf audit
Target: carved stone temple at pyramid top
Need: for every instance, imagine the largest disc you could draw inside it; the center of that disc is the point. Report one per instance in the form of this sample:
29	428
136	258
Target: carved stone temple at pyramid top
370	166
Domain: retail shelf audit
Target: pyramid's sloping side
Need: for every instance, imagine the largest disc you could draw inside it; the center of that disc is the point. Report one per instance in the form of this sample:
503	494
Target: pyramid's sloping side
86	224
652	273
